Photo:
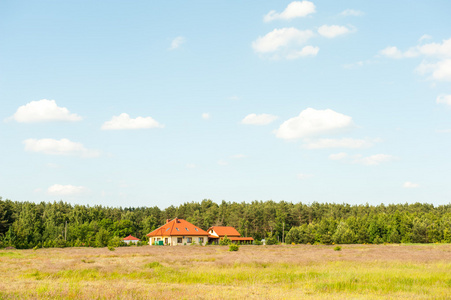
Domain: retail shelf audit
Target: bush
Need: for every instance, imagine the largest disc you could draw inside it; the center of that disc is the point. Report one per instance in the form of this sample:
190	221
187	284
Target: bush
271	239
153	264
337	248
111	248
225	241
258	242
116	242
233	247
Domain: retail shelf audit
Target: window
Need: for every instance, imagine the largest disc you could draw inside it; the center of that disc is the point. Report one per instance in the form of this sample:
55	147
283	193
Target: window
177	228
201	240
189	240
168	229
186	229
196	229
179	240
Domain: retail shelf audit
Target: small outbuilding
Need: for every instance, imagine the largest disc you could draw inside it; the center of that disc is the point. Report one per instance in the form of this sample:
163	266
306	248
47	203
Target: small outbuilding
131	239
216	233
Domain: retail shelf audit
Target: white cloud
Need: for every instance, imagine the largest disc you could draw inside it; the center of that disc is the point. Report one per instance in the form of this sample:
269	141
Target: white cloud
301	176
306	51
285	43
312	122
374	160
424	37
339	143
444	99
332	30
443	130
391	52
65	190
234	98
59	147
177	42
238	156
206	116
440	70
295	9
123	121
43	111
436	49
262	119
338	156
190	166
410	185
352	12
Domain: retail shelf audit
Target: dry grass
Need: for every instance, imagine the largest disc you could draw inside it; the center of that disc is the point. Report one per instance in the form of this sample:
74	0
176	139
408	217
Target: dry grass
212	272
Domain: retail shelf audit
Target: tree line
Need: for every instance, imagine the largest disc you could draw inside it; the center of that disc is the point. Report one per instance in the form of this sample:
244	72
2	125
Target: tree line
59	224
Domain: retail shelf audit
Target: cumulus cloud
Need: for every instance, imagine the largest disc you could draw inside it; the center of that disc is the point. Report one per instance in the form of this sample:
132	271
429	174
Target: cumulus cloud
410	185
262	119
352	12
295	9
59	147
123	121
177	42
306	51
437	58
332	30
440	70
43	111
339	143
312	122
444	99
238	156
65	190
285	43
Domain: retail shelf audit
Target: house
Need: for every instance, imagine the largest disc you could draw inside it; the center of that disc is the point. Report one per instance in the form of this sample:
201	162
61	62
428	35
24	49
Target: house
217	233
131	239
178	232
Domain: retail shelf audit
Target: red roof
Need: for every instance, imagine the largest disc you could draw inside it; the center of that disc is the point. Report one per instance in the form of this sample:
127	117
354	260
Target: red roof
131	238
178	227
225	230
241	239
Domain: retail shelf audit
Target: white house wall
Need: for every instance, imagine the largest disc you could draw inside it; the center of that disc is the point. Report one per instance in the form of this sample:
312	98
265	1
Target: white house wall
172	240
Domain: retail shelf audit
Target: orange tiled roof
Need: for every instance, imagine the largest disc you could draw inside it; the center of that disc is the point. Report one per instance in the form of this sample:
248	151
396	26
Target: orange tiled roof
225	230
178	227
241	239
131	238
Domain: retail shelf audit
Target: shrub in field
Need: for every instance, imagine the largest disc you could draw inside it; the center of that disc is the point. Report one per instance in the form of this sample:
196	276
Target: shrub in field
153	264
111	248
337	248
233	247
225	241
258	242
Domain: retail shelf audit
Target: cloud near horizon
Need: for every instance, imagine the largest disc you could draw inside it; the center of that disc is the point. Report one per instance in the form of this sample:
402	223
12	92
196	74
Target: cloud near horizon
43	111
65	190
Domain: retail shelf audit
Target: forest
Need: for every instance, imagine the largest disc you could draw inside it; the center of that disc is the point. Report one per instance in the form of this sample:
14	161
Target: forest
26	225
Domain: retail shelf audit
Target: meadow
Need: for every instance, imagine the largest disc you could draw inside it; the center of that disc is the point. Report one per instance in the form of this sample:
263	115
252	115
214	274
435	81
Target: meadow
392	271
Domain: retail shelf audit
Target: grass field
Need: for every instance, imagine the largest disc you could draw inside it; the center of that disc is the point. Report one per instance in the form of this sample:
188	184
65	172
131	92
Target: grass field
212	272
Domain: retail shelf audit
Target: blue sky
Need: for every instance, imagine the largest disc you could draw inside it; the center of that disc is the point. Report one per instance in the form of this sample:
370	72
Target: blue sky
160	103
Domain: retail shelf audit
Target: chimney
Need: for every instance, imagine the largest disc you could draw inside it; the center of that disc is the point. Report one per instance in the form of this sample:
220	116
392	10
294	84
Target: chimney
167	221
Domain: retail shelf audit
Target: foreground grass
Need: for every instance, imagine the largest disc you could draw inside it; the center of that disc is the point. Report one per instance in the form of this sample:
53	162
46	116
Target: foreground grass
269	272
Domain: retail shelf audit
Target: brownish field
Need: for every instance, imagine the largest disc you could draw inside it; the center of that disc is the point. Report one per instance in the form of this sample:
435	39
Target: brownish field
212	272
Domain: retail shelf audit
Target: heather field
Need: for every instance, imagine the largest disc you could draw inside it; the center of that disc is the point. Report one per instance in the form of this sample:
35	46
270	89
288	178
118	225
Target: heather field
212	272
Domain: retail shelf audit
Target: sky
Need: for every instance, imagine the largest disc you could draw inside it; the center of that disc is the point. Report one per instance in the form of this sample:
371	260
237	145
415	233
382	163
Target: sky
158	103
